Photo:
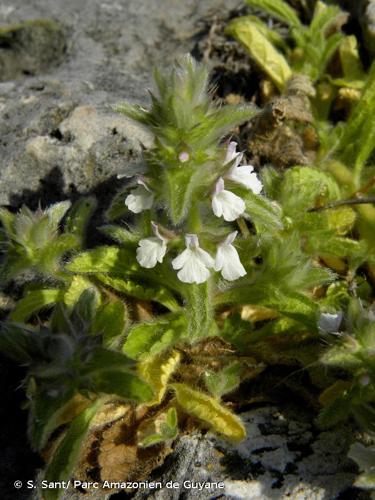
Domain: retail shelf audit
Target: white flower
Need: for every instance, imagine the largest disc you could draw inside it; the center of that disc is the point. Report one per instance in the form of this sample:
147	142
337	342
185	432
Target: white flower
226	204
194	263
141	198
242	174
227	259
150	251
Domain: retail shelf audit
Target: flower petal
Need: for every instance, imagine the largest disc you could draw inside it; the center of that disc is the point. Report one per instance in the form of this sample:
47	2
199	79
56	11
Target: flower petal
181	259
139	199
217	206
194	271
205	257
150	251
228	262
244	175
229	205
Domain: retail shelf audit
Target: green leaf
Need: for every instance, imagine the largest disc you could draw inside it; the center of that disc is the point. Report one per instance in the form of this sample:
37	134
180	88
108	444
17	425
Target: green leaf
102	259
121	234
166	426
56	212
45	415
77	286
102	359
331	46
290	304
147	339
121	263
147	291
48	258
172	418
210	411
278	9
121	383
151	440
79	216
263	52
224	381
180	199
265	215
110	322
324	18
360	124
336	411
65	458
303	187
350	60
85	309
219	122
7	220
133	111
272	35
18	343
34	301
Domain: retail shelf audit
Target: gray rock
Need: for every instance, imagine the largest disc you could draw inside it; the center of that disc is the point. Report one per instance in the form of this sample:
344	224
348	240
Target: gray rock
79	58
283	457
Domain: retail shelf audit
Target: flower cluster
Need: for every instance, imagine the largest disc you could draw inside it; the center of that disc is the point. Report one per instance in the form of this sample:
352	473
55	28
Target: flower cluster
193	263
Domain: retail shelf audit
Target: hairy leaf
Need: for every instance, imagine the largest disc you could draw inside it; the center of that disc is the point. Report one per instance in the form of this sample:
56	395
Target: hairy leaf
157	372
34	301
147	339
144	291
121	383
110	322
278	9
64	460
210	411
264	53
45	415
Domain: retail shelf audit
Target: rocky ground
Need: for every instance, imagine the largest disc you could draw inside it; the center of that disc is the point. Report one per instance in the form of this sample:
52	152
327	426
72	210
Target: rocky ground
62	65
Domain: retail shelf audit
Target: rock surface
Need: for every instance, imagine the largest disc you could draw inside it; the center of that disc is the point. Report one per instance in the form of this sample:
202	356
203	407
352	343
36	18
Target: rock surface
283	457
57	132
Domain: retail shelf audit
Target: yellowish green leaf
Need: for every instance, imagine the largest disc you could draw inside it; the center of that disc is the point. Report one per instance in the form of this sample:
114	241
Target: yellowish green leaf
210	411
272	62
78	285
157	371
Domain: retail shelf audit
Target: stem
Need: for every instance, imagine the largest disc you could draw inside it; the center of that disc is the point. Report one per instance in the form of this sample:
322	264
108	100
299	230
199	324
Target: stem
243	227
194	220
366	187
340	203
